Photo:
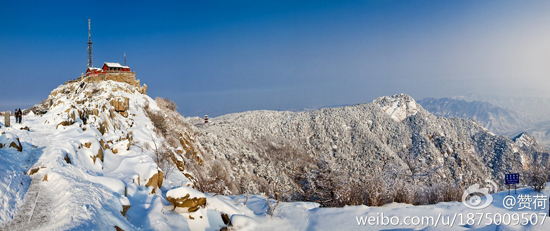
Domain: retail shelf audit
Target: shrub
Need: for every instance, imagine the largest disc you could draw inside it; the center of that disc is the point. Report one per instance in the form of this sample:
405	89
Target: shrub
166	103
537	176
157	118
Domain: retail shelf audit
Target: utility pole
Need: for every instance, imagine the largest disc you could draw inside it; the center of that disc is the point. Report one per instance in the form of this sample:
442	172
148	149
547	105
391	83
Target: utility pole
90	63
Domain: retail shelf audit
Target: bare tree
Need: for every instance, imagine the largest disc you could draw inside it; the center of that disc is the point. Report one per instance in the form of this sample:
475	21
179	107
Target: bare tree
537	176
163	158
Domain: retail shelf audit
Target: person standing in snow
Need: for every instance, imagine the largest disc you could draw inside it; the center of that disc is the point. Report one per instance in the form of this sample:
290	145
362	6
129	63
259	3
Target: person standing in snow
16	115
20	115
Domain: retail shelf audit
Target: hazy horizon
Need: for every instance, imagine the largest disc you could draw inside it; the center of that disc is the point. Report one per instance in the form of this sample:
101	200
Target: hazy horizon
218	57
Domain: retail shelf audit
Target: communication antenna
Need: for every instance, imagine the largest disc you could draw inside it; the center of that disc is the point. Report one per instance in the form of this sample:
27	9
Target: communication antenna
124	58
90	62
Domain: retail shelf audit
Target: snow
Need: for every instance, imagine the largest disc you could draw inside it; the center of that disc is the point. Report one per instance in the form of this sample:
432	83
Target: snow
7	138
73	189
183	192
14	182
399	107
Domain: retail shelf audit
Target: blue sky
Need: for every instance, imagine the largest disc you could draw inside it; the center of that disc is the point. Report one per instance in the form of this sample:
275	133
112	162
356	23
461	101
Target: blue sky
217	57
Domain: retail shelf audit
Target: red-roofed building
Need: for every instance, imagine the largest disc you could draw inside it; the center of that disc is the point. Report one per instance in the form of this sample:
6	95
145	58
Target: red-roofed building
93	71
107	67
114	67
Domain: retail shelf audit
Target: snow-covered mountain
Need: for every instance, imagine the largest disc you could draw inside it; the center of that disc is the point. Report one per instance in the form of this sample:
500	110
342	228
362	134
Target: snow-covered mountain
502	120
97	159
535	107
499	120
392	146
100	154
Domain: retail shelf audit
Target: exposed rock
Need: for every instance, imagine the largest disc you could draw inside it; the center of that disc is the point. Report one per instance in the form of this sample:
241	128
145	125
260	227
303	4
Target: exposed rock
104	145
120	104
178	161
10	140
185	197
34	170
125	209
398	107
65	123
226	220
155	181
143	90
67	158
99	155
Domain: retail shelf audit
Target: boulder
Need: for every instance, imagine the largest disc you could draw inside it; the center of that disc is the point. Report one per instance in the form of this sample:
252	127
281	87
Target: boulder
155	180
186	197
99	155
125	205
65	123
34	170
10	140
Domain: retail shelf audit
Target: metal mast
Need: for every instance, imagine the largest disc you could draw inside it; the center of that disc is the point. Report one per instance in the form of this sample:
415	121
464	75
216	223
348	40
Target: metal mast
90	63
124	58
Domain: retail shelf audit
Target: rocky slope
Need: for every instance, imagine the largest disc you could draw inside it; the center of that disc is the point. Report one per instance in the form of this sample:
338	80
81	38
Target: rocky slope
385	147
97	158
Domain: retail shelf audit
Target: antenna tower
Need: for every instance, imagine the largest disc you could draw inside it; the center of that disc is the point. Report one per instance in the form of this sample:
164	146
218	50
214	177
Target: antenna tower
124	58
90	63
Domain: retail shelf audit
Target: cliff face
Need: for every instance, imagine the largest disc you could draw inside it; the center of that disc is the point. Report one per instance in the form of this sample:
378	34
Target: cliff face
393	140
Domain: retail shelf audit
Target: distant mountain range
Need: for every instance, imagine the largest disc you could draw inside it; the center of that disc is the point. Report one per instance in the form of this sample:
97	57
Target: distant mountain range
515	115
499	120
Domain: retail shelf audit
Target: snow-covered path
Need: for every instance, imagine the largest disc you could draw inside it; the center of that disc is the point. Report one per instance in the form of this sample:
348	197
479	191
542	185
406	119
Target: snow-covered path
35	209
18	191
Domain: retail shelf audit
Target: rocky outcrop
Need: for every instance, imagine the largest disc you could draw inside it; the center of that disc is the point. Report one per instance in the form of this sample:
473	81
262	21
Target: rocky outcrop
65	123
398	107
120	104
185	197
528	144
155	181
10	140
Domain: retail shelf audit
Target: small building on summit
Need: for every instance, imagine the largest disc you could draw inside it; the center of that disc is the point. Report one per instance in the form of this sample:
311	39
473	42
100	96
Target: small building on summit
93	71
114	72
114	67
107	67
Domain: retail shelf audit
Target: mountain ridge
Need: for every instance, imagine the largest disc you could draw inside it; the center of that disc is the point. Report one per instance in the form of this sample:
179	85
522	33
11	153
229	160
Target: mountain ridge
392	134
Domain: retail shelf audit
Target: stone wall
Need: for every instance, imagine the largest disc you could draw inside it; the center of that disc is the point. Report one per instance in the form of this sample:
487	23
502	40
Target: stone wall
128	77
